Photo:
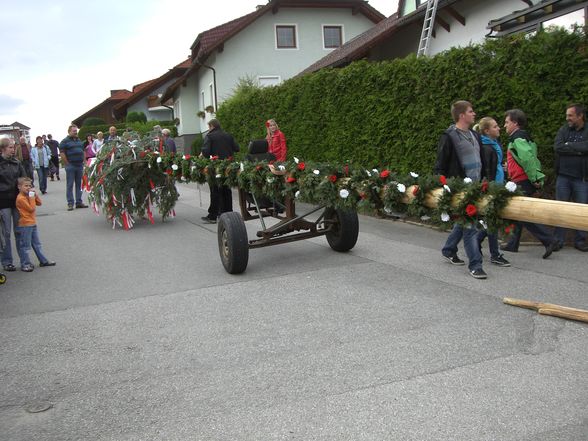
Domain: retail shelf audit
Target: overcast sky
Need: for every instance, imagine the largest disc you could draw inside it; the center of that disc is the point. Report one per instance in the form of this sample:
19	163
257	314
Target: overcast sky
61	58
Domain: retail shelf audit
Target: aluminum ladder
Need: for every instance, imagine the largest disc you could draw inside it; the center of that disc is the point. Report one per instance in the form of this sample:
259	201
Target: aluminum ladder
428	24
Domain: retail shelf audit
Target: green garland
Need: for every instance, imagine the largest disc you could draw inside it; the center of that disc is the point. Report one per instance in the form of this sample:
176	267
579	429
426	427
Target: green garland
129	177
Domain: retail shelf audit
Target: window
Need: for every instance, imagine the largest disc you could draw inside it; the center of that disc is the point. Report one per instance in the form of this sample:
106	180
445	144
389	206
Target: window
286	36
332	36
268	80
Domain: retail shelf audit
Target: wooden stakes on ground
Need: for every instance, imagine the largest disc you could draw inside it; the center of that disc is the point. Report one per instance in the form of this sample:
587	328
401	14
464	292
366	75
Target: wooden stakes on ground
580	315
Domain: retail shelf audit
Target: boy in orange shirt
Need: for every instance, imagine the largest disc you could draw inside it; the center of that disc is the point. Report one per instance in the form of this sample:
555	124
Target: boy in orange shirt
26	204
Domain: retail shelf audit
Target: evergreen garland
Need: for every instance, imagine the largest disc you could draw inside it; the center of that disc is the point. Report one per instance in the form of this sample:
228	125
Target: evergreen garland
130	176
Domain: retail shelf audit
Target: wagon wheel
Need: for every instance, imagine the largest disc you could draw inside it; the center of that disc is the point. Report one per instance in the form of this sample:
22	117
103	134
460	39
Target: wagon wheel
344	229
233	245
2	279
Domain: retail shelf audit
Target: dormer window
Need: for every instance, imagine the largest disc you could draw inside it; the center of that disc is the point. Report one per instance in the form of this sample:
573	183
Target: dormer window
286	37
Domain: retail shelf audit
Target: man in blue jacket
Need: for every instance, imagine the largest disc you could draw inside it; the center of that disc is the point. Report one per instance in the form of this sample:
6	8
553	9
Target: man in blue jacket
72	155
571	165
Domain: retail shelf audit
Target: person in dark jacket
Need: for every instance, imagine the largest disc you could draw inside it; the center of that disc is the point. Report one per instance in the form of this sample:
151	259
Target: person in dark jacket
54	147
571	166
72	155
524	169
492	155
458	155
218	144
10	170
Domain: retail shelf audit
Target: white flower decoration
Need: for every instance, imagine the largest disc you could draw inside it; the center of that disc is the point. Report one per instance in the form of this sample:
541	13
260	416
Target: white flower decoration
316	172
297	194
174	167
447	189
375	171
270	180
219	175
241	166
511	186
184	157
368	172
414	175
183	178
281	167
296	160
159	160
483	224
425	218
344	193
445	217
467	180
401	188
156	152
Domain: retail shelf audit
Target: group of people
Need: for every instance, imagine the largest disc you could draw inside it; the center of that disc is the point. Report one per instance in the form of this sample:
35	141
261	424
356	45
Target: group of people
477	154
221	145
18	202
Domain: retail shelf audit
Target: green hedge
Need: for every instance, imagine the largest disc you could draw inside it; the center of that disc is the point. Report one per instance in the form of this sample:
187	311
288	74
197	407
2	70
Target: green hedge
393	112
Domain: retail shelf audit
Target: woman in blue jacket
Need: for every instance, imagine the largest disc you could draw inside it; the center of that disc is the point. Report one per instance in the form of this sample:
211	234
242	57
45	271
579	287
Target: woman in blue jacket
41	156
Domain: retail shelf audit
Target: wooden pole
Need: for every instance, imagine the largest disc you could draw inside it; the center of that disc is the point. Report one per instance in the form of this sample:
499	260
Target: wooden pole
550	309
522	208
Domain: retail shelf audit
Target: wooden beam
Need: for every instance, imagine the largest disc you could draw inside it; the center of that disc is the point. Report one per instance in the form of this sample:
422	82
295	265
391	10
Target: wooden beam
522	208
443	23
460	18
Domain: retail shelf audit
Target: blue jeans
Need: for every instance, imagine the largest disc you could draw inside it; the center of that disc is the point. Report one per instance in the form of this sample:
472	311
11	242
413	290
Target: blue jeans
10	218
567	189
74	173
29	237
470	244
492	242
42	173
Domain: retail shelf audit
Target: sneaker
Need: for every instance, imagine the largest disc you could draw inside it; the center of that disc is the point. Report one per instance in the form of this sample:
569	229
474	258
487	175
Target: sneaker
549	250
27	268
9	267
499	261
454	260
70	207
208	220
48	263
478	274
82	205
58	178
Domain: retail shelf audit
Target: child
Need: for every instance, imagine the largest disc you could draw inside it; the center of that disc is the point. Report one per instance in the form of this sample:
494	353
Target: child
26	203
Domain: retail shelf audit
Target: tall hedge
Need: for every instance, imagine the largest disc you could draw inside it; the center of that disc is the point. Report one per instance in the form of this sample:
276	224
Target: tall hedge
393	112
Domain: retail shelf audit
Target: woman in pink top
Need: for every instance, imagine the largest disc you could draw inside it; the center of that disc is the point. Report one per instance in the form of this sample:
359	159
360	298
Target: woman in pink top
276	141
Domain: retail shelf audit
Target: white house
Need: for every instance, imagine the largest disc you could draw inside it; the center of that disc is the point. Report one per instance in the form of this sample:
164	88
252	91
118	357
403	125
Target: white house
457	23
269	45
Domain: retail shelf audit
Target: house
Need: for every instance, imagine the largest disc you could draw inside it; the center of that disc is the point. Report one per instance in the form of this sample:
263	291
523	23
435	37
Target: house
269	45
146	97
104	110
457	23
15	131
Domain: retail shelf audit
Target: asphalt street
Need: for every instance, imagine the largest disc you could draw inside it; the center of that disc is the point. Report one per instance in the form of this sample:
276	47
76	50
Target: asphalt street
142	335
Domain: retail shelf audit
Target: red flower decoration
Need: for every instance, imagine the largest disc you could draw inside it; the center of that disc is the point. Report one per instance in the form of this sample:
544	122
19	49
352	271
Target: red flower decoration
301	166
507	230
362	195
333	178
214	158
188	157
291	180
169	171
443	180
384	174
142	154
471	210
415	190
484	187
258	167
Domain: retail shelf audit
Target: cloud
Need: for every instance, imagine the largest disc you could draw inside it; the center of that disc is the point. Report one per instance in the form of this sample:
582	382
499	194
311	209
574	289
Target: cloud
9	105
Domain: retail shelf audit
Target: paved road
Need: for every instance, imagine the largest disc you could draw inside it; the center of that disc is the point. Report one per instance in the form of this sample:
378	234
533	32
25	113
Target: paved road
142	335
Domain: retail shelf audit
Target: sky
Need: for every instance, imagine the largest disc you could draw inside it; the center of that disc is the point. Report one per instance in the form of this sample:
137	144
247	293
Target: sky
64	62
